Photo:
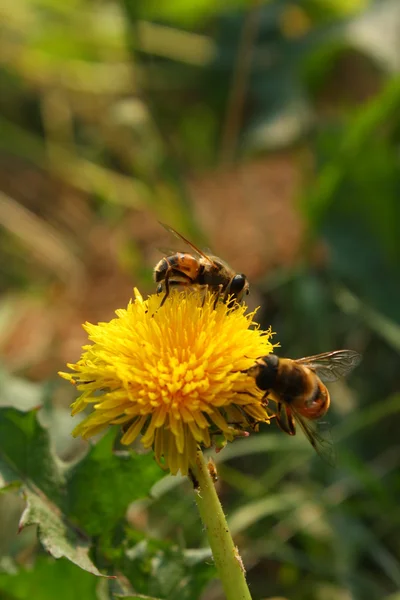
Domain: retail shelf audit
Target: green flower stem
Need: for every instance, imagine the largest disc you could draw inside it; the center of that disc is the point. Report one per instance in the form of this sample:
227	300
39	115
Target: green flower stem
226	555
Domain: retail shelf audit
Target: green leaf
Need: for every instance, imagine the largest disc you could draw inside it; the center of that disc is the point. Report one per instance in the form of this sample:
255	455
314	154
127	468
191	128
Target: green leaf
70	503
165	571
103	484
26	457
58	536
49	579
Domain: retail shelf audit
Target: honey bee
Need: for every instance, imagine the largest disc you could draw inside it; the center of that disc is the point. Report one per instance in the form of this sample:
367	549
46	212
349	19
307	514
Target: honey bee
195	268
297	388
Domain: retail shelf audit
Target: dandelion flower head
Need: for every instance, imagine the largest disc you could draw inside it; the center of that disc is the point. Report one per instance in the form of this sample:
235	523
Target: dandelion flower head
172	374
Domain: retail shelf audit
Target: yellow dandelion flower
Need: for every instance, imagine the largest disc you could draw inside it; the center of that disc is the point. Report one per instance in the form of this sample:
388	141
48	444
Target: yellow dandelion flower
172	374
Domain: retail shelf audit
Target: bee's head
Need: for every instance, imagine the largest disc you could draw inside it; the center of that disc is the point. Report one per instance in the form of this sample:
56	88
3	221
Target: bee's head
265	371
271	362
239	286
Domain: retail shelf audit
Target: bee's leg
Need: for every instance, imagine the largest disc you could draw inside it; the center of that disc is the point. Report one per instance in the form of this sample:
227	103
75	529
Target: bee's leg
247	393
166	283
291	421
286	423
227	290
237	428
252	367
279	418
205	296
217	295
169	272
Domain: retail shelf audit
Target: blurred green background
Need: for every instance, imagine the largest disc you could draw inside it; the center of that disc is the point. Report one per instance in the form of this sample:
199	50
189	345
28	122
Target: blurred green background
269	132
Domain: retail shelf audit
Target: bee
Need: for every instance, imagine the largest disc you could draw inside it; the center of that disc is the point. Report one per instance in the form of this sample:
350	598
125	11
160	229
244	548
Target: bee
195	268
297	388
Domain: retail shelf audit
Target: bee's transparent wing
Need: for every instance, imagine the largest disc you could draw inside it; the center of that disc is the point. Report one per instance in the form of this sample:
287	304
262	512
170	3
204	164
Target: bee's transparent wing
319	436
168	251
192	247
331	366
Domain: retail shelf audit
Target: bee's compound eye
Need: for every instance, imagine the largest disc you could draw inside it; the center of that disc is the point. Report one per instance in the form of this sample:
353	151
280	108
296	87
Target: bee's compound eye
237	284
272	360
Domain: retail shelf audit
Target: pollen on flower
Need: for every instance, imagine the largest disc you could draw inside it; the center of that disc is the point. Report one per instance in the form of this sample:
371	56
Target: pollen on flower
172	375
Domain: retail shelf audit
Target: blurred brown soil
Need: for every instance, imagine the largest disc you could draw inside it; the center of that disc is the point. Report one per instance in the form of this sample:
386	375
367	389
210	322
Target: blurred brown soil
249	213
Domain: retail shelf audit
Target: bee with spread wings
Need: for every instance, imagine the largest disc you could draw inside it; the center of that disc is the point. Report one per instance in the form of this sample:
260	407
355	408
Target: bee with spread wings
297	388
197	269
